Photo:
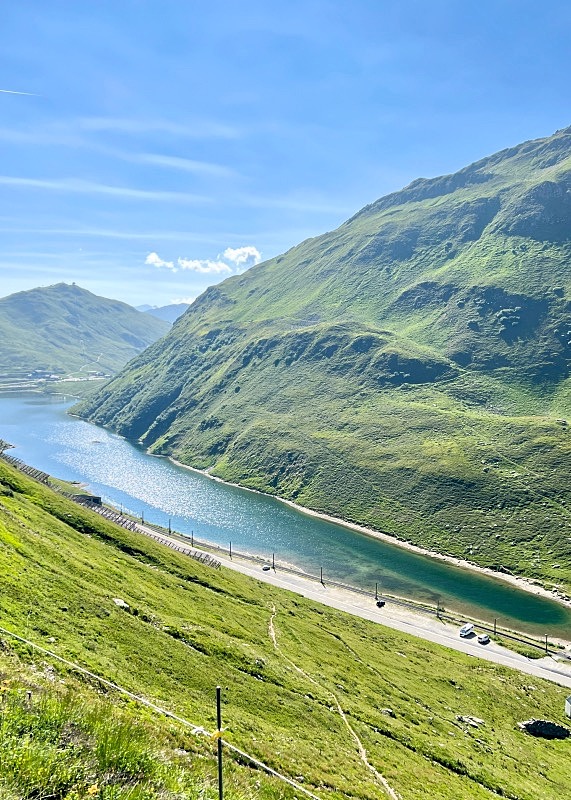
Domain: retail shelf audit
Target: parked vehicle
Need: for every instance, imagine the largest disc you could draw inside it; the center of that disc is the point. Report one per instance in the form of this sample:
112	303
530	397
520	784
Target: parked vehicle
483	638
466	630
380	603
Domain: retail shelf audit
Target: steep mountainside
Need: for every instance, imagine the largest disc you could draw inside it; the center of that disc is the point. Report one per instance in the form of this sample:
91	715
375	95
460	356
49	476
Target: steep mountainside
408	371
63	328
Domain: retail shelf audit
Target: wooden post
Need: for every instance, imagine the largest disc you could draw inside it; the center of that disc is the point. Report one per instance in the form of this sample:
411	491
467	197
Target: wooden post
321	574
495	625
170	529
219	723
376	591
142	516
192	538
274	562
230	549
546	644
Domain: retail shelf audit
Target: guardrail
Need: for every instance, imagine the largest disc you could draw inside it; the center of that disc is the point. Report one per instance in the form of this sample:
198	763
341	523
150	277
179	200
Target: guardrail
419	608
197	545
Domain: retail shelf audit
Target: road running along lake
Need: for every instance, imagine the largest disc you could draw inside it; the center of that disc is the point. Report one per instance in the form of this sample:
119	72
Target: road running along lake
46	437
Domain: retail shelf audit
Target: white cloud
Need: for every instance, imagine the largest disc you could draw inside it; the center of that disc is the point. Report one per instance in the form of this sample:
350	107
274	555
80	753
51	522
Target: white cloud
233	261
179	300
155	261
204	266
242	256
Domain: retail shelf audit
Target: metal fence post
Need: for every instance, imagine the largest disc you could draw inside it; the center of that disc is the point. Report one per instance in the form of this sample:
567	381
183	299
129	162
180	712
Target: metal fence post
219	722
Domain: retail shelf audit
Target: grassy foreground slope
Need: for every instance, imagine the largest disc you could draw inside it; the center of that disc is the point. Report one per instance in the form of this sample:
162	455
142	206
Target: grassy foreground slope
303	683
408	371
64	328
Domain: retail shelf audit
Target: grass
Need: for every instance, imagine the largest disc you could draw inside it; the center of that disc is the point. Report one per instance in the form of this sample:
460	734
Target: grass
65	742
188	629
406	371
69	331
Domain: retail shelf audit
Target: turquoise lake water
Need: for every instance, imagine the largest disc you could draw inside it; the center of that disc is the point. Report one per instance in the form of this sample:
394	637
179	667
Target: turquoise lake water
124	475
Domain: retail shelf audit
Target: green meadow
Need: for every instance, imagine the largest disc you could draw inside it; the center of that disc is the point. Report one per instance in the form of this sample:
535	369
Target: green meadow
408	371
344	706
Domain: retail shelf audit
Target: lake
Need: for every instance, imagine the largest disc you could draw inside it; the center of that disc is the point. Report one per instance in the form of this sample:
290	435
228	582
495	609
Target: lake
46	437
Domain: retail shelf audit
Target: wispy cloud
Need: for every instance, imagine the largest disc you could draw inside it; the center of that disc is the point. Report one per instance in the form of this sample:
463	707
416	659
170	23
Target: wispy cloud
181	164
78	186
309	204
109	233
194	129
155	261
179	300
11	91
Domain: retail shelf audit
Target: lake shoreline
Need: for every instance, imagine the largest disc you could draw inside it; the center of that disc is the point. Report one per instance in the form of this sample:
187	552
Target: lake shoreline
520	582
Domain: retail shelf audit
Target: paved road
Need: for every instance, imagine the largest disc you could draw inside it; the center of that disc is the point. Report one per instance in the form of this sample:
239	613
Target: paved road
393	616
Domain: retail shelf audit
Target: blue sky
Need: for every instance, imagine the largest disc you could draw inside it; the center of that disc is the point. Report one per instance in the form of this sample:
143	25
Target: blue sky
159	146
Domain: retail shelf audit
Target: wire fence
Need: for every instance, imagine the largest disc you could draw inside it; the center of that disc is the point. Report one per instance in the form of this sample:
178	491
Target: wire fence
200	551
197	730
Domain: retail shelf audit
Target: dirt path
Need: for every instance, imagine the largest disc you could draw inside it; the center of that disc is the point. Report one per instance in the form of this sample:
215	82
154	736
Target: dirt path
392	616
360	746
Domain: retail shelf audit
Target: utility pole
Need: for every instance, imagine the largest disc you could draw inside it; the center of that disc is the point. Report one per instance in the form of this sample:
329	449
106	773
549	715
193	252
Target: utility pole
219	741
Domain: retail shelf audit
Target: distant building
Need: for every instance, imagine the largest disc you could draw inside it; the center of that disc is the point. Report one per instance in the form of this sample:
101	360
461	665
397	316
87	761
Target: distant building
568	706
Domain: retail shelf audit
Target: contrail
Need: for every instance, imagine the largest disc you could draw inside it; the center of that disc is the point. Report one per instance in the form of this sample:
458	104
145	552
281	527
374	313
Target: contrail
9	91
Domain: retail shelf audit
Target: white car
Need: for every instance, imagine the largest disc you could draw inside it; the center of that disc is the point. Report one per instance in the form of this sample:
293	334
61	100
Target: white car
466	630
483	638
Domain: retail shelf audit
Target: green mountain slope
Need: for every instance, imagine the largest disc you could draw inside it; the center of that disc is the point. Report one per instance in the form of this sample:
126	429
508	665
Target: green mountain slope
288	668
64	328
408	370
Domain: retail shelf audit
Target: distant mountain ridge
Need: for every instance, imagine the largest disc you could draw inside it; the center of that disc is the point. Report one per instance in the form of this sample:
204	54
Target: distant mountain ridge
63	328
168	313
408	371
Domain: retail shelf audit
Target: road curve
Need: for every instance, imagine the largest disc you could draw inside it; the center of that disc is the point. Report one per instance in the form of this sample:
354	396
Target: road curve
393	616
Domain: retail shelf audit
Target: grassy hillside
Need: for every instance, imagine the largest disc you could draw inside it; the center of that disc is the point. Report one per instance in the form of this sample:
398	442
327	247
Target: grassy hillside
65	329
60	738
303	684
408	371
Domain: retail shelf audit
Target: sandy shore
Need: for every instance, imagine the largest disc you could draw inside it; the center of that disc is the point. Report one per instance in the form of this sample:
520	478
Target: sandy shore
526	584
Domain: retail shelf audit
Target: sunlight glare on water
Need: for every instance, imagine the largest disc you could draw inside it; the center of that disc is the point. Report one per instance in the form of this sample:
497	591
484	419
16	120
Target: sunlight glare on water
125	476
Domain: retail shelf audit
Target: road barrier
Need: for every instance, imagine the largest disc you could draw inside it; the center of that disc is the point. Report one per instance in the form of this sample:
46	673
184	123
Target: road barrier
196	548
